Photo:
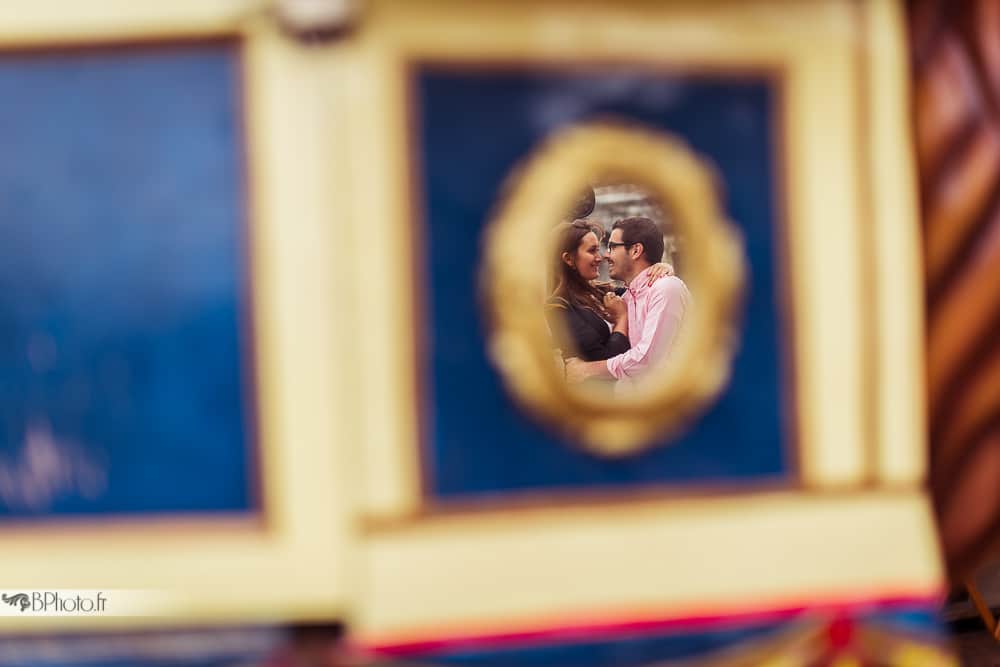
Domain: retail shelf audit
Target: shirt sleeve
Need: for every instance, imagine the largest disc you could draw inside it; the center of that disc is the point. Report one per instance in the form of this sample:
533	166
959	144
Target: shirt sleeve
664	313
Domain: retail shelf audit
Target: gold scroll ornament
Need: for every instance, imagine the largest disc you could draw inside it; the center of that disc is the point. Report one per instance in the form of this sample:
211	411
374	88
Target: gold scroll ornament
517	258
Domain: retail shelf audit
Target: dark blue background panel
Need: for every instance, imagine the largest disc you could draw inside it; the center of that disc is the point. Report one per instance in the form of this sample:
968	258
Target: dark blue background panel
125	374
473	127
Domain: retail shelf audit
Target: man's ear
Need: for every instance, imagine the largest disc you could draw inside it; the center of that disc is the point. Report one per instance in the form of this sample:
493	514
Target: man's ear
636	254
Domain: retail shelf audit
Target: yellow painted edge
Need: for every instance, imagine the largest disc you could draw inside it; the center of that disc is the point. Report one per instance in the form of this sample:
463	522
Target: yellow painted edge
466	576
43	23
902	454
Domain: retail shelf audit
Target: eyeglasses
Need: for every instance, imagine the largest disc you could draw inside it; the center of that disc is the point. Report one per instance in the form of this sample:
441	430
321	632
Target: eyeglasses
614	244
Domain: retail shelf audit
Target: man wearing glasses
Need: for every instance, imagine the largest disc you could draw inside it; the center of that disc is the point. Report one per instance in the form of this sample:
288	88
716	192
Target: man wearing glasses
655	308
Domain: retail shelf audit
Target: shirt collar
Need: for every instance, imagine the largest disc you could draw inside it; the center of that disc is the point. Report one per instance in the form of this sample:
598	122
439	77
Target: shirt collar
640	283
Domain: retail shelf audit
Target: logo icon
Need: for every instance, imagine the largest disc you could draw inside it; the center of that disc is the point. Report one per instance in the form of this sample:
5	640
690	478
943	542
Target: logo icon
20	598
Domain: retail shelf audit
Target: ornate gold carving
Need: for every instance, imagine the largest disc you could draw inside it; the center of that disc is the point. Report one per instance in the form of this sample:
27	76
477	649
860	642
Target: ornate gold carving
517	258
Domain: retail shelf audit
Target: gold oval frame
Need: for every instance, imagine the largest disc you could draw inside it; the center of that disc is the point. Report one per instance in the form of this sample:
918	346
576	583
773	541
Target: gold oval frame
514	280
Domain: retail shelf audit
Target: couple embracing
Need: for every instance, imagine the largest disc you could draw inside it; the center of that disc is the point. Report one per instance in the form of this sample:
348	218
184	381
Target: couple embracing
606	334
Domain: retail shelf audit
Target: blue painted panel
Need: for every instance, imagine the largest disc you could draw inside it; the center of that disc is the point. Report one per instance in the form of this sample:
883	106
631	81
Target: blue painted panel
156	647
125	382
473	128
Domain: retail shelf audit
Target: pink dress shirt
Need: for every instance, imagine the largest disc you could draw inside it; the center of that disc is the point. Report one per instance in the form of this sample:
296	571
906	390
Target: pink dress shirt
655	314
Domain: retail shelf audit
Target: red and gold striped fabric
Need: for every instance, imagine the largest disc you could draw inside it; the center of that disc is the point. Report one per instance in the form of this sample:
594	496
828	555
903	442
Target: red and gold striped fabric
956	70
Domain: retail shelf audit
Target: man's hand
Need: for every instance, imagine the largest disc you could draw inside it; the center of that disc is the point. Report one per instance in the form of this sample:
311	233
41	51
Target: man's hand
576	370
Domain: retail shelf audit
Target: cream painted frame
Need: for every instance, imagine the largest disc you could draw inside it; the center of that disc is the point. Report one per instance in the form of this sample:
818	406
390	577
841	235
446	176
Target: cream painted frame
854	267
294	561
858	365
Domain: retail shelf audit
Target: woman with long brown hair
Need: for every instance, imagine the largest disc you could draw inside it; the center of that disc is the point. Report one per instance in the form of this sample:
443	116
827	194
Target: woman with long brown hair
579	312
